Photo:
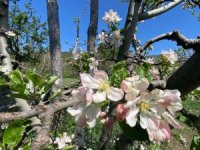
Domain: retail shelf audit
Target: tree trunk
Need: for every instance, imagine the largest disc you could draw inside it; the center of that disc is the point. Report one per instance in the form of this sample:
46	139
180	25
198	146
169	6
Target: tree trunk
93	26
129	28
54	40
187	77
6	62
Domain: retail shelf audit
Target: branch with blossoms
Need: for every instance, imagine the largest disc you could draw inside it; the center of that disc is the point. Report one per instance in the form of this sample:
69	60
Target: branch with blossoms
155	108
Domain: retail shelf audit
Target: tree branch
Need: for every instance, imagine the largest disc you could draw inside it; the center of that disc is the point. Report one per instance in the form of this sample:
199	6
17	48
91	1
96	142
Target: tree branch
176	36
159	11
57	106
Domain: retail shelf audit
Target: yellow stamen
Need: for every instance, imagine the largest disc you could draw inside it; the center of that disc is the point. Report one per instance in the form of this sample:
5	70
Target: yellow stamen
144	106
104	86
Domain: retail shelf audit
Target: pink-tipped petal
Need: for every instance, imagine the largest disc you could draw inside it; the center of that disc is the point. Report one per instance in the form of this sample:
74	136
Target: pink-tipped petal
121	112
88	81
89	96
100	75
125	86
115	94
142	85
170	119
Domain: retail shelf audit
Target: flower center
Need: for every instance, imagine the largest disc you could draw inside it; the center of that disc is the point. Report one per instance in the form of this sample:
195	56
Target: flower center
144	107
104	86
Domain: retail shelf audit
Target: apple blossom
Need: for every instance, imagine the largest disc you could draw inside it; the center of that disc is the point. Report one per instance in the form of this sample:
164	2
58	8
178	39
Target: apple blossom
63	141
116	38
154	72
132	86
85	112
152	107
94	63
100	83
111	17
103	37
150	60
170	55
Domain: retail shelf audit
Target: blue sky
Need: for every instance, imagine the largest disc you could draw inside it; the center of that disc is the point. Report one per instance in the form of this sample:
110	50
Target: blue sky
175	19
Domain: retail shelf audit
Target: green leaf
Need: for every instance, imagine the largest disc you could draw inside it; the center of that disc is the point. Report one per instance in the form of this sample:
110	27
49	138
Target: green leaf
55	94
27	147
13	134
50	83
34	77
19	95
195	145
16	77
134	133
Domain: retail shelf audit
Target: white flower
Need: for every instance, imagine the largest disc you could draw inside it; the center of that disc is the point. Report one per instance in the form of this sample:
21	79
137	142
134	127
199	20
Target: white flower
63	141
94	63
103	37
154	72
85	112
152	107
4	126
132	86
100	83
111	17
116	38
170	55
150	60
10	33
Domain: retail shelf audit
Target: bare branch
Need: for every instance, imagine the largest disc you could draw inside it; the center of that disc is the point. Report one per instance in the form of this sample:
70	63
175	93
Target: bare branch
57	106
176	36
159	11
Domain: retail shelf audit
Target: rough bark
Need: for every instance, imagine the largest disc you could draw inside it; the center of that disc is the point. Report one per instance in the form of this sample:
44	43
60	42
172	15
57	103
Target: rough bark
54	39
93	26
187	77
6	61
129	29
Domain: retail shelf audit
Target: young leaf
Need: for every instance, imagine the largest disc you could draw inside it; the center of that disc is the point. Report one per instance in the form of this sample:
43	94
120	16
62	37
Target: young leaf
13	134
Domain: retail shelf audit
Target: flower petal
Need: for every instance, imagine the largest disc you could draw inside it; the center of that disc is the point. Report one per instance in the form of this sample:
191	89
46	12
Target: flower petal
125	85
88	81
92	114
142	85
131	117
143	120
131	94
99	97
115	94
100	75
171	120
89	97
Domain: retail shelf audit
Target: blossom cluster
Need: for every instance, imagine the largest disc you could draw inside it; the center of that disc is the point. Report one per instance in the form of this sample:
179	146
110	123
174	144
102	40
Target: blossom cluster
170	56
153	110
94	91
112	37
64	140
111	17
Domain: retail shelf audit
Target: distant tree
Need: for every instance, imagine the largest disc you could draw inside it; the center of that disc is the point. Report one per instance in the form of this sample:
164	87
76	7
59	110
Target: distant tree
31	34
140	10
54	38
93	26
